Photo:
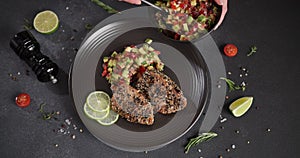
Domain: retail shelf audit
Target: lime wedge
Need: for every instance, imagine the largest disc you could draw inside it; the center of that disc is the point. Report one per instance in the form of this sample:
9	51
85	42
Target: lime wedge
110	119
240	106
46	22
98	101
94	114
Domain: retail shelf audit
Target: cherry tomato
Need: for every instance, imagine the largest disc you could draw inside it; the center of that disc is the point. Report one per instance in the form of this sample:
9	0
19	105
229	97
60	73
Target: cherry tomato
23	100
230	50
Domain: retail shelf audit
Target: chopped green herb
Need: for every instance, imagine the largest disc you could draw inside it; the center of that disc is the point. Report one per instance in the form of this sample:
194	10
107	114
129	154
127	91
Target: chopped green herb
232	86
106	7
148	40
199	139
88	26
144	63
253	50
158	3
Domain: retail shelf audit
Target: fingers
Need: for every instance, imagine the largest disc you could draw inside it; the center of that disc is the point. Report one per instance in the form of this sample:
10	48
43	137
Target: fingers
224	11
136	2
219	2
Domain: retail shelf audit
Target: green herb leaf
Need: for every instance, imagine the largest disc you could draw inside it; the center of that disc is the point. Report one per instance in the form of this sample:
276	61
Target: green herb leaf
253	50
41	109
199	139
201	18
144	63
46	115
232	86
106	7
88	26
27	24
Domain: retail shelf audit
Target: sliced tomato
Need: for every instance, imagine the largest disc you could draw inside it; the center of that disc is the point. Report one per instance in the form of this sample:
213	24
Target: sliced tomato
23	100
182	5
176	36
230	50
104	73
142	69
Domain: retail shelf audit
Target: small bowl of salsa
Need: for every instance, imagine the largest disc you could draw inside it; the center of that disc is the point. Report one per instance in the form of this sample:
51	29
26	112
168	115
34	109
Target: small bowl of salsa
187	20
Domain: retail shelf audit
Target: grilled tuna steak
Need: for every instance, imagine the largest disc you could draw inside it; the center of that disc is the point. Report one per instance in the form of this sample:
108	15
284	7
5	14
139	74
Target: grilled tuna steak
131	104
152	92
163	93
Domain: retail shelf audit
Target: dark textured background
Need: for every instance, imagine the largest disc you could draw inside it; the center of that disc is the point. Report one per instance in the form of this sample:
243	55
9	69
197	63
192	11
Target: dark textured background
274	75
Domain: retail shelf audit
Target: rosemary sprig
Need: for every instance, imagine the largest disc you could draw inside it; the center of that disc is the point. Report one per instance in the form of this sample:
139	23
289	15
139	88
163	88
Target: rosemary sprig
232	86
106	7
46	115
199	139
253	50
27	24
41	109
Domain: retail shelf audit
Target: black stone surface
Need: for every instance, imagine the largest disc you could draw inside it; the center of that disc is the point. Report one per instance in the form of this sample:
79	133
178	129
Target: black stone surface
273	80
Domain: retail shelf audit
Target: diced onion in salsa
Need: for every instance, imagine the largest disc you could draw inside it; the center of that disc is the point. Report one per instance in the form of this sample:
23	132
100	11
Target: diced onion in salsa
120	67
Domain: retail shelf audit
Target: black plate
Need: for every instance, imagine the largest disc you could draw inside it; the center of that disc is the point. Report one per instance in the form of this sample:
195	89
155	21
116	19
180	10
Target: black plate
184	63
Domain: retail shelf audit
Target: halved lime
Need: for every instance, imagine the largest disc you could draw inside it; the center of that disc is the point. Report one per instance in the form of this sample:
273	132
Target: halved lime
46	22
240	106
94	114
110	119
98	101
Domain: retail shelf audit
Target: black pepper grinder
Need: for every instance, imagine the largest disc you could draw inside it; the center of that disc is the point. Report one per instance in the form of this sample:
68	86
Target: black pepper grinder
28	49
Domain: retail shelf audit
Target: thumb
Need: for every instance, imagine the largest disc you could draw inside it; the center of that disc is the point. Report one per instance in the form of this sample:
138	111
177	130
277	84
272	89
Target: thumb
224	11
219	2
136	2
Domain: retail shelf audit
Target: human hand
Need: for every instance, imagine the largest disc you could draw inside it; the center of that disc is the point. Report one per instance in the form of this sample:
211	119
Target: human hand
136	2
222	3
